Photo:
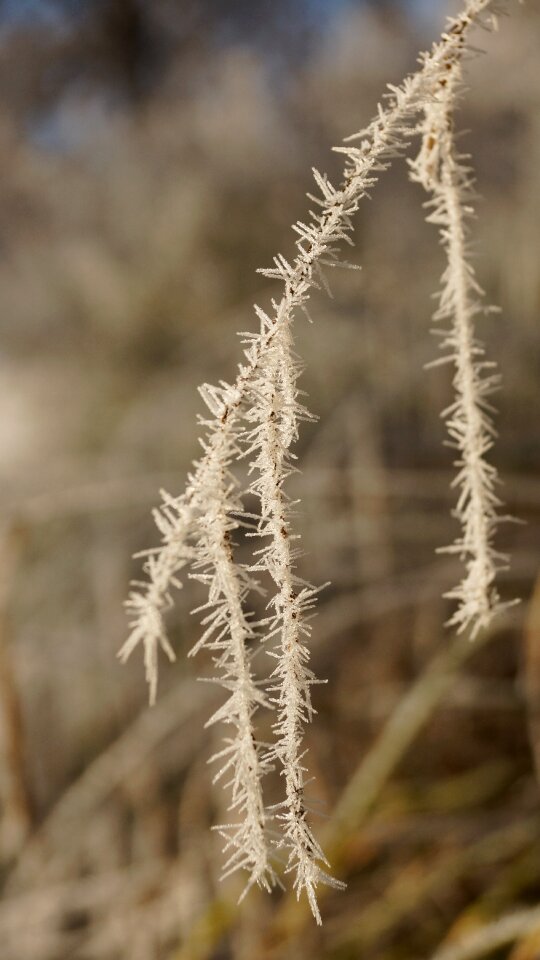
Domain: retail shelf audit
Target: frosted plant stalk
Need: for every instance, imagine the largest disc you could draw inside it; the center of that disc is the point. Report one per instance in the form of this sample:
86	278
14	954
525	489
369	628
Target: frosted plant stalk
258	416
230	635
445	174
274	416
198	528
150	600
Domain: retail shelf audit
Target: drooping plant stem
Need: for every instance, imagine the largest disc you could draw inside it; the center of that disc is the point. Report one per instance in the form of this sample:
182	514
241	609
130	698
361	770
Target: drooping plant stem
383	139
274	418
446	175
257	418
230	636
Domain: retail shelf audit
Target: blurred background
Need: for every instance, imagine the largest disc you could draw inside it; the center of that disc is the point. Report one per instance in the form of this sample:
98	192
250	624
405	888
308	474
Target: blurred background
153	155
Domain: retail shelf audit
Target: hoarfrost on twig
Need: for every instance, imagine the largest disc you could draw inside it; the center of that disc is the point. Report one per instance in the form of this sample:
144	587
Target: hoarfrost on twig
446	175
257	418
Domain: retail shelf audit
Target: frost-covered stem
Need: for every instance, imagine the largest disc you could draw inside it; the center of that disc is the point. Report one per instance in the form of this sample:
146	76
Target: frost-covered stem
379	142
274	416
471	429
248	841
149	601
228	634
442	171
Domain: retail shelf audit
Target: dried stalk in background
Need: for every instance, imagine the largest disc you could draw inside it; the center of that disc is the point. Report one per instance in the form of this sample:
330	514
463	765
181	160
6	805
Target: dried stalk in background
16	819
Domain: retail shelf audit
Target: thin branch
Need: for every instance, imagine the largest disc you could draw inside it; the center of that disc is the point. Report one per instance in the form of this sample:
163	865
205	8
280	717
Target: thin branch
444	173
274	418
380	142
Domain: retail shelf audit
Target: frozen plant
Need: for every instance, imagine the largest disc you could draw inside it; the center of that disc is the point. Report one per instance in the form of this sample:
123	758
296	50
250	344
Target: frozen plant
256	419
446	175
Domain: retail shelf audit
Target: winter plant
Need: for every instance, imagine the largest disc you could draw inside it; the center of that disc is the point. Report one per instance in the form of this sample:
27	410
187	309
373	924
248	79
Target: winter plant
256	420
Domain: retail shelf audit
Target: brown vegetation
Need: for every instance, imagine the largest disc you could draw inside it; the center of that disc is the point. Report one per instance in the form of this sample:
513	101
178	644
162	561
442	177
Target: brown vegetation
131	227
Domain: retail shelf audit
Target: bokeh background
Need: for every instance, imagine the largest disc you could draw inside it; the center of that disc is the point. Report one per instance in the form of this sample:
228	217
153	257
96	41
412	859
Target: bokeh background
153	155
